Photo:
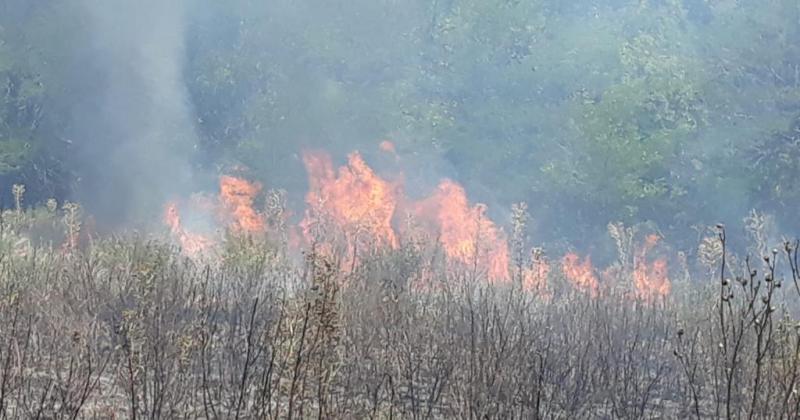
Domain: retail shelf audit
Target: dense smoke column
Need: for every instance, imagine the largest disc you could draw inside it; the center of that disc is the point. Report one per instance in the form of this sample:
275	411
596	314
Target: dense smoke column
132	125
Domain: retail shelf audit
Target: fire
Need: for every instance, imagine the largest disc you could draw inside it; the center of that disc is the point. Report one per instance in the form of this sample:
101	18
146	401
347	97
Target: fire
236	198
364	206
650	279
580	274
534	277
355	199
353	208
388	147
173	219
191	243
233	207
461	229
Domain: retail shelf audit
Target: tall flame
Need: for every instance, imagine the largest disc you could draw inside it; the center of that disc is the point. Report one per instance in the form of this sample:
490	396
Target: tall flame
236	197
192	244
362	204
358	201
580	274
466	233
534	277
650	279
354	207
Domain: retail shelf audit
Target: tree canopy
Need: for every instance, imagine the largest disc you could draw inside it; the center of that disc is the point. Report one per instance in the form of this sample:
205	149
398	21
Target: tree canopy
678	112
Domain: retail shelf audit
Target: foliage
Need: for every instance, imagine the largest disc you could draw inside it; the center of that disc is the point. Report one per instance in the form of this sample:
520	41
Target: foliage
135	329
591	111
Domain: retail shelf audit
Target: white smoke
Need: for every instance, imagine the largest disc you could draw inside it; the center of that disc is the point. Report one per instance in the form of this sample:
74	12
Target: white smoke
135	131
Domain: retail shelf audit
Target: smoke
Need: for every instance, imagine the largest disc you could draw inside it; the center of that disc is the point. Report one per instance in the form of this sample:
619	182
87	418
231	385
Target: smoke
133	124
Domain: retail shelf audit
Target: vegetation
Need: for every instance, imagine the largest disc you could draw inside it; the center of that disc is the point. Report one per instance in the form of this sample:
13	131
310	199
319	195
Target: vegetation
612	119
133	329
591	111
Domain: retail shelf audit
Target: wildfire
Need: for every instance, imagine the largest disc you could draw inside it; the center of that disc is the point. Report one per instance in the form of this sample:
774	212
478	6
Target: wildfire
355	199
192	244
466	233
233	208
534	277
236	198
388	147
580	274
363	205
650	279
355	209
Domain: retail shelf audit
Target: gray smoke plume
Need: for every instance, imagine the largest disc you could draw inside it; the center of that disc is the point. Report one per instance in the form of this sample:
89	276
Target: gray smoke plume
133	127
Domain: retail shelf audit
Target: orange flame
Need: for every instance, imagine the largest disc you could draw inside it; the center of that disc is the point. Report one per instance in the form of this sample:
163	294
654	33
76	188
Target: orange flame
388	147
534	278
192	244
462	228
362	207
236	197
172	218
580	274
355	199
651	280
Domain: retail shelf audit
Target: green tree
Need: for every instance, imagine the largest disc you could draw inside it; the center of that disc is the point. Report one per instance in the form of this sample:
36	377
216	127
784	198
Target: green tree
29	154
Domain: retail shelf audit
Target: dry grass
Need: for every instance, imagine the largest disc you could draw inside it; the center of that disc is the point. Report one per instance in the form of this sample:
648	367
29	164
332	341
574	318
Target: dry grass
128	328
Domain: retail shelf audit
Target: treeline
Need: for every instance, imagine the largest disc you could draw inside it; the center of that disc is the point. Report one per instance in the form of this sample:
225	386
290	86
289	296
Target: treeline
590	111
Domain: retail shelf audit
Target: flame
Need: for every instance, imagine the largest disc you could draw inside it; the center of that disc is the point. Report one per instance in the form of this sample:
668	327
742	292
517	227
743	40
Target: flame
236	198
233	207
192	244
534	277
363	205
580	274
650	279
172	218
354	207
388	147
354	199
461	229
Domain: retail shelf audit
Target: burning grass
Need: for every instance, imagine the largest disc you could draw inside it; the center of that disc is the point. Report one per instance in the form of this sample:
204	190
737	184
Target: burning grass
129	327
399	307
